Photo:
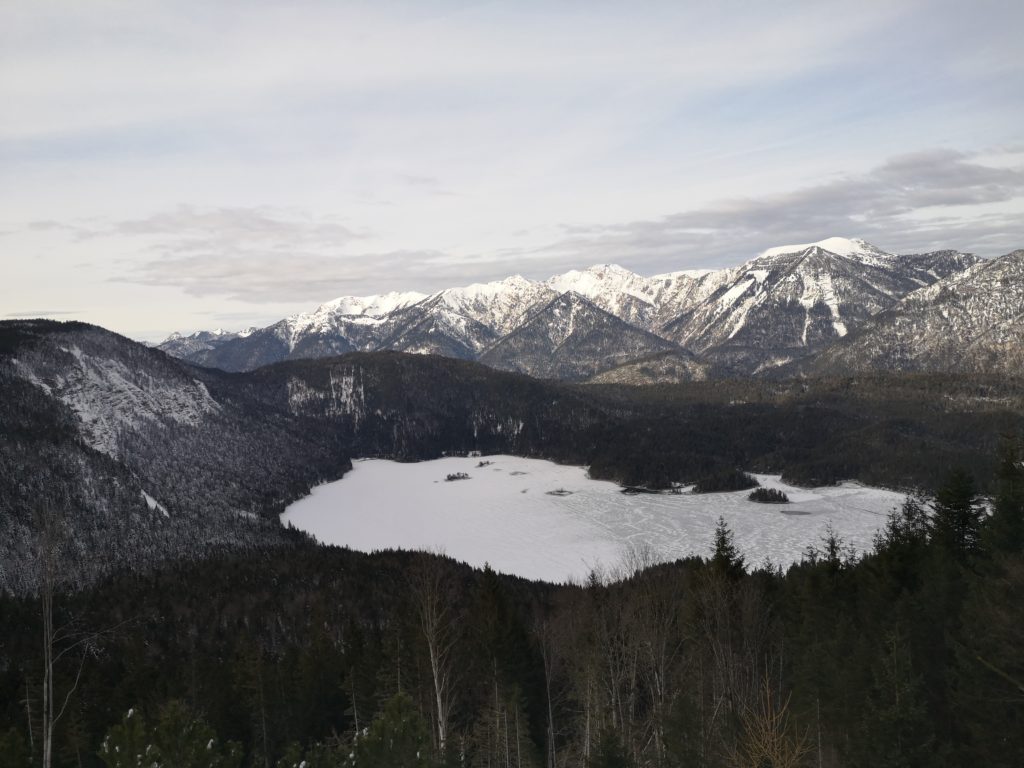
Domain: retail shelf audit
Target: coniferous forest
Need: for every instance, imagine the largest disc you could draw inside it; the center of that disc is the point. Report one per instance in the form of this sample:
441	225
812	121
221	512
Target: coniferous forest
303	655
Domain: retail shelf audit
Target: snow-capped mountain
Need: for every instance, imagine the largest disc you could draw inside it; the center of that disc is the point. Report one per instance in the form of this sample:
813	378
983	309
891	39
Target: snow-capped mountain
366	306
614	289
784	304
571	338
792	300
180	345
971	322
499	306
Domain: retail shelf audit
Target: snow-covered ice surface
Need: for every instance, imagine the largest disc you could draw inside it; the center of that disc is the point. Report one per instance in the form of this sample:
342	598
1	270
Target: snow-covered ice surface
506	515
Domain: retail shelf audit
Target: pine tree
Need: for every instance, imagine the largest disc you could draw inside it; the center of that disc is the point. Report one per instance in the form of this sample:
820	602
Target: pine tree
397	738
178	740
127	745
1004	532
726	560
898	732
956	524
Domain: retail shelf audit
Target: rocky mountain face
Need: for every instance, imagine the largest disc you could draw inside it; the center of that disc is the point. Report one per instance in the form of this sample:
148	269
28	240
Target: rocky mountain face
196	343
784	305
571	338
793	300
972	321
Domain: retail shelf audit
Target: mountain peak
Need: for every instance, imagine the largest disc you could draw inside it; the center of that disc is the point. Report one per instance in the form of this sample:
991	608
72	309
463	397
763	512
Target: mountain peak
841	246
371	306
611	269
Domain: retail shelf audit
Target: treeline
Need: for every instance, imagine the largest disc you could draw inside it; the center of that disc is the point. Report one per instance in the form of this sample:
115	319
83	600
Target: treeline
909	656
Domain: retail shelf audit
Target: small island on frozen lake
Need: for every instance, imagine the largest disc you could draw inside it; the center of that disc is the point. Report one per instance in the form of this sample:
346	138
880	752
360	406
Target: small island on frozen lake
541	520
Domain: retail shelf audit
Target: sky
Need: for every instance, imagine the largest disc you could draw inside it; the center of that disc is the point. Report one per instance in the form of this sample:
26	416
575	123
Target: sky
190	165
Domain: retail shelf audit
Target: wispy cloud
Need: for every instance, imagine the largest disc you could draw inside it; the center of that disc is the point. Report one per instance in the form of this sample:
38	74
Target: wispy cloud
888	205
41	313
922	201
256	275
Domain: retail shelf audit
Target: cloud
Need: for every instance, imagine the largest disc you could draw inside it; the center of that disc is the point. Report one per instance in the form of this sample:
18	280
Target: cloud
892	205
203	228
914	202
253	254
41	313
259	275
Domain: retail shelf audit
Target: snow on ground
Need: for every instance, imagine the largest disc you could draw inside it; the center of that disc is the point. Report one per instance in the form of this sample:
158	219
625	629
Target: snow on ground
506	515
155	505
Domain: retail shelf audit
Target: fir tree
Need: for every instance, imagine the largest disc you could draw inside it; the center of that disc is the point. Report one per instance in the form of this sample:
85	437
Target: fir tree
127	745
397	738
726	560
1004	532
898	732
956	524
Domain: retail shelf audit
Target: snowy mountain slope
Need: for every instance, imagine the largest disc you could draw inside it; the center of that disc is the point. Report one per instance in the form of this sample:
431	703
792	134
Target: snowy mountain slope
972	321
433	327
785	304
677	294
841	246
365	306
614	289
571	338
186	346
114	386
140	456
500	306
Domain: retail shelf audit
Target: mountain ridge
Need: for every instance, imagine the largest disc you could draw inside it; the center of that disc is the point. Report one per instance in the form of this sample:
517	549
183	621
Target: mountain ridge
785	304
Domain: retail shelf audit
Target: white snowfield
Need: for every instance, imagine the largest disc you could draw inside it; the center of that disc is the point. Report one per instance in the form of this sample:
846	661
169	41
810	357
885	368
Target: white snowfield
515	514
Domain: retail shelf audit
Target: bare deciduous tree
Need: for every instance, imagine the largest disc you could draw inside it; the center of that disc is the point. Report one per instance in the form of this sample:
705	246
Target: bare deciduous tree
769	737
66	641
435	609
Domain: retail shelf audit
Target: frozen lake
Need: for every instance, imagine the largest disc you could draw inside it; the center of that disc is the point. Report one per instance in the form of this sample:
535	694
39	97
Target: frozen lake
505	514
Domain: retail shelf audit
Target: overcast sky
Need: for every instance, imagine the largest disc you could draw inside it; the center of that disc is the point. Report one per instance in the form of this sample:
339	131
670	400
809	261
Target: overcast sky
183	165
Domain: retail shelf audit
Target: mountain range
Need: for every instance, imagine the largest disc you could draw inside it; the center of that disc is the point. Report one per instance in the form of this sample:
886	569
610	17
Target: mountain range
839	302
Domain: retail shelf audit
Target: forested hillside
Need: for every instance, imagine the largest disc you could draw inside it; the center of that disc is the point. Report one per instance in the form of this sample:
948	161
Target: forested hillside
309	656
145	457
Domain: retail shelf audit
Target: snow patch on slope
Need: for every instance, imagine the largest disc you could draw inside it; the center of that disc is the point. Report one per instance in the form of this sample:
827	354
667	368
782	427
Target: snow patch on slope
154	505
